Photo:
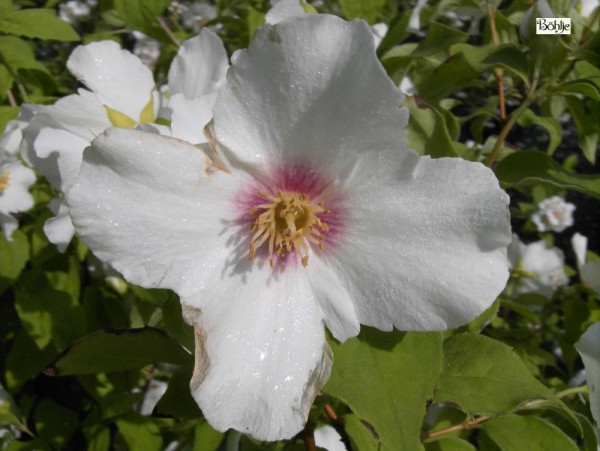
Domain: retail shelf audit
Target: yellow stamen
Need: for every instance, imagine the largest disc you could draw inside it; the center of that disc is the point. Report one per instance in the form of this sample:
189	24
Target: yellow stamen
289	222
4	181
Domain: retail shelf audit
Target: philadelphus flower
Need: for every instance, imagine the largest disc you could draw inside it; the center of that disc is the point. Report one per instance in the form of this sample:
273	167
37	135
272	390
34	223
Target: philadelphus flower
589	272
588	347
553	214
306	211
539	267
15	180
121	93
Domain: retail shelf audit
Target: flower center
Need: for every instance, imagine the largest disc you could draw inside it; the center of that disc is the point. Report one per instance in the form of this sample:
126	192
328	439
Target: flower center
4	181
288	221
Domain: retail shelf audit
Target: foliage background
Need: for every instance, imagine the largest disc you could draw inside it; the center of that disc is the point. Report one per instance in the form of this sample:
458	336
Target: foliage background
81	350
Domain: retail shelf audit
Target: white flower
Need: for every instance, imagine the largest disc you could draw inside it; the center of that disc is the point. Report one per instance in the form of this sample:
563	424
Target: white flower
539	267
589	272
146	48
121	93
379	30
74	11
553	214
15	180
307	211
588	347
194	16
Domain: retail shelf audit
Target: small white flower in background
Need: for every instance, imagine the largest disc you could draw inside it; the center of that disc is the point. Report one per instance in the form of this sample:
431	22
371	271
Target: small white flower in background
327	437
539	267
589	272
15	180
146	48
588	347
414	22
194	16
75	11
553	214
307	210
284	9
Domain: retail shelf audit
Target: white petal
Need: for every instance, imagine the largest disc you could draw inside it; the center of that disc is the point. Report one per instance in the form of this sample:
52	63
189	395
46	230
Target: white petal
119	78
308	89
59	229
145	204
10	139
81	114
190	116
545	264
16	197
9	224
424	241
328	438
579	243
590	274
588	347
199	67
265	351
284	9
66	150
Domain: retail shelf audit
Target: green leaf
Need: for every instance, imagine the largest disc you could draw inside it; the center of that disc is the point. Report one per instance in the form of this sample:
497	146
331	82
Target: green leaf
386	378
587	87
118	350
531	167
140	432
13	257
552	126
18	54
37	23
467	64
55	423
206	438
588	127
514	432
483	376
362	9
141	15
590	51
438	39
427	132
177	400
6	114
361	437
449	444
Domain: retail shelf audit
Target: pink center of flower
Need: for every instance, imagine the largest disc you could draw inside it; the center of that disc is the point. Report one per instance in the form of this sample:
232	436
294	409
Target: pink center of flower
287	221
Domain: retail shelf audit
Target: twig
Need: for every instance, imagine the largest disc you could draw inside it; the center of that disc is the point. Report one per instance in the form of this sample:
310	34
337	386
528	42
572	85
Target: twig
11	98
309	437
163	24
331	413
457	427
498	70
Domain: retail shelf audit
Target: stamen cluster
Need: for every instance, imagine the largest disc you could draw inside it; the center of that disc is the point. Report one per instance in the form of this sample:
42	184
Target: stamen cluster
289	222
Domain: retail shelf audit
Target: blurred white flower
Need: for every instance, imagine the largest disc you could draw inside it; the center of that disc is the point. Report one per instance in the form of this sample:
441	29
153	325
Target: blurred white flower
196	15
539	267
155	389
414	22
553	214
327	437
75	11
307	210
284	9
379	30
15	180
588	347
146	48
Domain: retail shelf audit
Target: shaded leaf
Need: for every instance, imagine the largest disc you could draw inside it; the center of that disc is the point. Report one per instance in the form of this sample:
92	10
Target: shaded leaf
139	432
449	444
551	125
363	9
360	435
514	432
439	38
375	375
531	167
427	132
118	350
13	257
37	23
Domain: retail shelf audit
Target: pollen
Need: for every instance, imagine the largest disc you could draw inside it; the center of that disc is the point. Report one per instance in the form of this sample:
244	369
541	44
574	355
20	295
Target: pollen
288	222
4	181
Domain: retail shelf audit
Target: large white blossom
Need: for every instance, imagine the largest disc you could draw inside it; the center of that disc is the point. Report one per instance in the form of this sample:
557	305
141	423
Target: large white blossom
588	347
538	266
553	214
306	211
120	93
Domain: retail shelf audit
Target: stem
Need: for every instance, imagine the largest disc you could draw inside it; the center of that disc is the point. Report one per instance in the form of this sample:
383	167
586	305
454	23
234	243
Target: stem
588	30
11	98
573	391
17	79
309	437
491	13
165	26
457	427
330	413
512	119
